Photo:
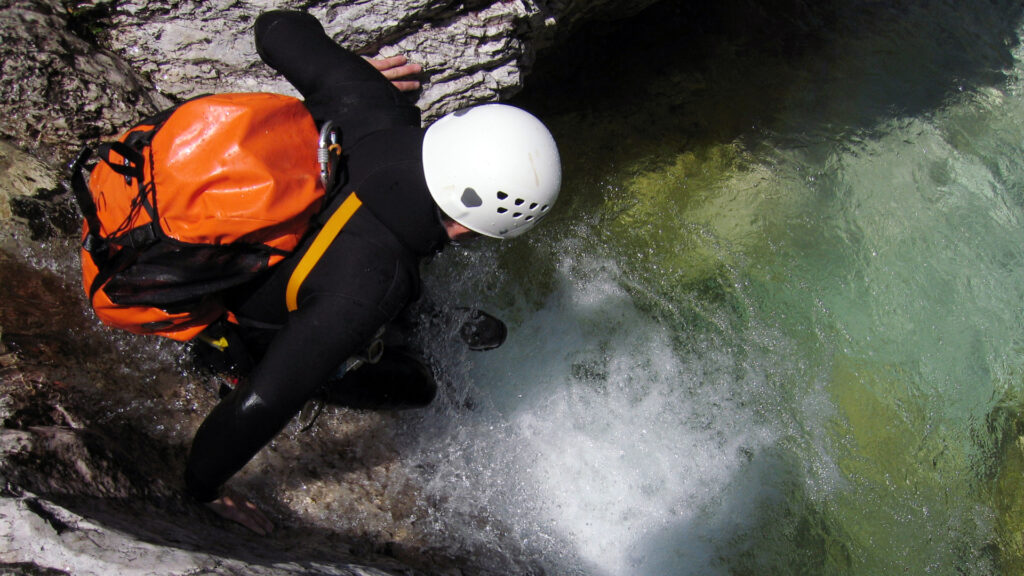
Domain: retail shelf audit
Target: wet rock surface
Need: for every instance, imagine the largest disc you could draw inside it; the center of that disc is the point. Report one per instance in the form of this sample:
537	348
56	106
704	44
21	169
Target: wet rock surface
91	453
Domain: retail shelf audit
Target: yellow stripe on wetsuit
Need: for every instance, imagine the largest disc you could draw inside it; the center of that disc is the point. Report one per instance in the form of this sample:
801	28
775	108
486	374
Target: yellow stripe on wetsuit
316	250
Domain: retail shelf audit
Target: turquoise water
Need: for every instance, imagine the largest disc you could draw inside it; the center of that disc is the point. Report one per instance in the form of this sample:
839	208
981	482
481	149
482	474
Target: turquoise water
775	324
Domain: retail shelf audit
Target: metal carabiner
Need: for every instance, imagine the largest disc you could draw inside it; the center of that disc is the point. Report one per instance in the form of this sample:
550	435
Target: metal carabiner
327	153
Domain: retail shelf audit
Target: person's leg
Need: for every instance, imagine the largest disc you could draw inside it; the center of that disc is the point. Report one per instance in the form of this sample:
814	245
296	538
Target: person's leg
228	349
479	330
221	350
400	380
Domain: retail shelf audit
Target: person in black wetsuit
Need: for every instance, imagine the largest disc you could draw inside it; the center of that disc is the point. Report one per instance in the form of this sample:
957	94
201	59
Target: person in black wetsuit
401	194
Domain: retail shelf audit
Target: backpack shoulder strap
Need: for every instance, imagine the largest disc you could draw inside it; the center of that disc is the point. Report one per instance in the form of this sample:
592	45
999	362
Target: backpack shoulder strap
94	243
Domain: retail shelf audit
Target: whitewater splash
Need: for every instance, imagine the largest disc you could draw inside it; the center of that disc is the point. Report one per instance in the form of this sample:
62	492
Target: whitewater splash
599	442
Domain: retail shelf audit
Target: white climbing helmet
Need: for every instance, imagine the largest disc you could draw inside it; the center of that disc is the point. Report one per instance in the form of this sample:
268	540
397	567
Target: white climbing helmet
492	168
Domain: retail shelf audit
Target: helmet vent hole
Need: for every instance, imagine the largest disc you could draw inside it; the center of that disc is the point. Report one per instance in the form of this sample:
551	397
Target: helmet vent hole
470	199
519	201
528	218
502	210
502	196
533	205
517	214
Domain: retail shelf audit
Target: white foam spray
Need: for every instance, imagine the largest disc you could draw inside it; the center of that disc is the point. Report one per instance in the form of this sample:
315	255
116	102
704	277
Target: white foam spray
600	444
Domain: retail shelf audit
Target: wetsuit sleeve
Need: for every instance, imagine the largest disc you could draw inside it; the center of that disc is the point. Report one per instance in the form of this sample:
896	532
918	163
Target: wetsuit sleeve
358	286
300	359
336	83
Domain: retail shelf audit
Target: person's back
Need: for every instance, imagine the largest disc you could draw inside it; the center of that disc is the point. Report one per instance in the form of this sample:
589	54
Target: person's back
395	201
365	273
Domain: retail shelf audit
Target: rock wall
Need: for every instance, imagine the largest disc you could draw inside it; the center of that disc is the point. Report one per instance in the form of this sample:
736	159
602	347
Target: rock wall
81	70
472	52
57	88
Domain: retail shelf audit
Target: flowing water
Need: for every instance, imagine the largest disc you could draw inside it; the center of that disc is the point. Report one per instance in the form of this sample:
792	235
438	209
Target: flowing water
775	326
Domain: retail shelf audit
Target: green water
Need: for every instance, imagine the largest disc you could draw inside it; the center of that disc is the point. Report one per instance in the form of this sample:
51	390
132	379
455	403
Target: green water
775	325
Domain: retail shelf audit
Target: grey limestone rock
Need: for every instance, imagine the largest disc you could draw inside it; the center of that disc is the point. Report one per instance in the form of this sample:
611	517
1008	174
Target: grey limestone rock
57	88
74	71
471	52
39	537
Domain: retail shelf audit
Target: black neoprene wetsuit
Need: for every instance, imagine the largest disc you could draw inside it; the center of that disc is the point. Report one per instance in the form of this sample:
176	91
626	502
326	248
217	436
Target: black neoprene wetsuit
364	279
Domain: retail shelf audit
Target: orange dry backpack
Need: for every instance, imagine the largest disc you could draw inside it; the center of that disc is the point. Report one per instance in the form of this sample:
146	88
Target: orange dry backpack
193	201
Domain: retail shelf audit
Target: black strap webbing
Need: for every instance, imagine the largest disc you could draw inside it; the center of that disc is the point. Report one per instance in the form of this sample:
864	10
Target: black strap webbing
133	159
94	243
